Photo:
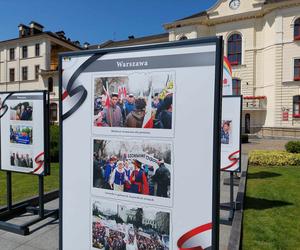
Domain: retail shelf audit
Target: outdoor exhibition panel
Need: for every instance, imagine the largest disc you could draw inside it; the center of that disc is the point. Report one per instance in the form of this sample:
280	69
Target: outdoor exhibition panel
140	130
24	132
231	133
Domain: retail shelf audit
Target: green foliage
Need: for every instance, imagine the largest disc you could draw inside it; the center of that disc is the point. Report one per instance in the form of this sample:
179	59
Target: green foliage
271	209
54	143
273	158
293	147
244	138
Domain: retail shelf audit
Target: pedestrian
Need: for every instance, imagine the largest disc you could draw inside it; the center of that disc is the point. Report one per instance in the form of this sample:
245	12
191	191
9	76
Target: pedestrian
162	178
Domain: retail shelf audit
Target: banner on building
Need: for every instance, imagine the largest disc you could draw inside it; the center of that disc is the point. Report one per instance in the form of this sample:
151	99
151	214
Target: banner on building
140	136
231	133
24	132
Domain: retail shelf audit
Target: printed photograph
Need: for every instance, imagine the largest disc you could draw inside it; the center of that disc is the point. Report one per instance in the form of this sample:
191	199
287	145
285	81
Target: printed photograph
21	111
139	167
226	130
121	227
134	101
21	159
21	134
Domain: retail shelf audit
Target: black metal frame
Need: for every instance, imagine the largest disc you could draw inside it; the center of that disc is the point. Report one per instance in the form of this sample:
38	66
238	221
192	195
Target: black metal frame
13	211
231	206
218	41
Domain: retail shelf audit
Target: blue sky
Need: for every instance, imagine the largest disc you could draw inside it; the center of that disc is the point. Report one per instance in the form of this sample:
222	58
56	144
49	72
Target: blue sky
96	21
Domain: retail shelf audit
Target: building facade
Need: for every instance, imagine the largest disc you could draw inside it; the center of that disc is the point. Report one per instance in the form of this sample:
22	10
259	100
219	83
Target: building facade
262	42
30	62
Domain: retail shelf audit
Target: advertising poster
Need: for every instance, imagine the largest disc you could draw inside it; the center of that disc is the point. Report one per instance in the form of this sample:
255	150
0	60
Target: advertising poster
141	146
23	132
231	133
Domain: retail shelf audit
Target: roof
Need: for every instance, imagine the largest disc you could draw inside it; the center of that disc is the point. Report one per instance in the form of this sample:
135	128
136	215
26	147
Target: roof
274	1
49	33
164	37
199	14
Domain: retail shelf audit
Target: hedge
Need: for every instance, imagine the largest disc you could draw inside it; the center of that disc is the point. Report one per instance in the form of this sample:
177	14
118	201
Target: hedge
293	147
273	158
54	143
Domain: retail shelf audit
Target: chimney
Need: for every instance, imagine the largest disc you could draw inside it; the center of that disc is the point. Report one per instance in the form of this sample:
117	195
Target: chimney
61	34
35	28
24	30
130	37
77	43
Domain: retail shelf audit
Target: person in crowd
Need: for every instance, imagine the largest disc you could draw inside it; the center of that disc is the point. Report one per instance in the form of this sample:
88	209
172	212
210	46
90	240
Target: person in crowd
164	116
155	101
109	168
162	178
112	115
118	178
12	159
128	173
98	121
129	104
225	132
121	105
136	117
138	180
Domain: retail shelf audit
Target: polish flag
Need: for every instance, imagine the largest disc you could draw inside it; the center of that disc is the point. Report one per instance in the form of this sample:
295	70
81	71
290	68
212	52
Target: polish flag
107	100
148	119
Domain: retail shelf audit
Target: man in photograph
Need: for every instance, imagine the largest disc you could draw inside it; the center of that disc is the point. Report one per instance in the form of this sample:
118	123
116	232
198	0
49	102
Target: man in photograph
136	117
162	178
225	132
112	114
129	104
164	113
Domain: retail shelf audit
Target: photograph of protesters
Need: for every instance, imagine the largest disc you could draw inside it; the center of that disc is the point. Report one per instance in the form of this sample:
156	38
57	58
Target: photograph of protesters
144	100
22	111
21	160
225	132
124	227
133	166
21	134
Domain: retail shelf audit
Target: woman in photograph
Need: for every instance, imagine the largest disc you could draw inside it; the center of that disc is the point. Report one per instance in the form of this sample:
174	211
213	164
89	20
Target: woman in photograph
138	180
118	178
128	173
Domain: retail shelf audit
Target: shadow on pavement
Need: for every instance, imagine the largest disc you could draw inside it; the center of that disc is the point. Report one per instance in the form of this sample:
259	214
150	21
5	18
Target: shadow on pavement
262	175
261	204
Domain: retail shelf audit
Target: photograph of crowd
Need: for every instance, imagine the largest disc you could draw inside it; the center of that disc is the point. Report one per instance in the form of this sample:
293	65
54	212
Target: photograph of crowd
140	167
134	101
18	159
123	227
21	111
21	134
226	132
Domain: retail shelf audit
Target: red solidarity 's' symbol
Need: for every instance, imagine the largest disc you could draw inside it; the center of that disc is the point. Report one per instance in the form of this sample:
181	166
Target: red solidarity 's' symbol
234	158
198	230
39	160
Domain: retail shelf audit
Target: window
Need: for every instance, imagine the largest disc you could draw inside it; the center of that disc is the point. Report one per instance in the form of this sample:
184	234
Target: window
11	75
234	50
37	49
12	54
50	84
183	38
24	52
53	112
24	73
297	70
236	86
297	29
36	71
296	106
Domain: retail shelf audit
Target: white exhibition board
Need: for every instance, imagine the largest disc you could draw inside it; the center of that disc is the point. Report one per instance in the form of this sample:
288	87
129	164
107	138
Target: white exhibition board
231	133
132	180
23	132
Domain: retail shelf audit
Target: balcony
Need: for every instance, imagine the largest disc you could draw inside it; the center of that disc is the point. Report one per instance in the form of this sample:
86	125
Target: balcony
254	103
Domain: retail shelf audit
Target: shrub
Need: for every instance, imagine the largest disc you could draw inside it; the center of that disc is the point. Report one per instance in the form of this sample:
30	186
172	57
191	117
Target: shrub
54	143
273	158
244	138
293	147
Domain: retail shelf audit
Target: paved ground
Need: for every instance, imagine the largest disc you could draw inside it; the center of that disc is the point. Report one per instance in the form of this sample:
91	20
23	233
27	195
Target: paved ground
46	238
